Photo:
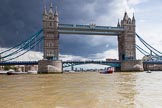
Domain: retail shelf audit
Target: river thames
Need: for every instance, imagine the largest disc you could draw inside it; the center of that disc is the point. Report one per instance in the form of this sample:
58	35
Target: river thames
82	90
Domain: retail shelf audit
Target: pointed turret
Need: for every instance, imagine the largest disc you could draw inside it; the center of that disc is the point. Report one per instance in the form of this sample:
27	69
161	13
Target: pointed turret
125	16
133	19
118	25
45	10
45	14
51	9
56	11
56	15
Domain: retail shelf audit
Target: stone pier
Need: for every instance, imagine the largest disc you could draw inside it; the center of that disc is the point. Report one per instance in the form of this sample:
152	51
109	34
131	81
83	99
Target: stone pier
50	67
132	66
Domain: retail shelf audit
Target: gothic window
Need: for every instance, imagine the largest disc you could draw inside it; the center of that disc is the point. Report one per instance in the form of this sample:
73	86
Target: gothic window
56	43
129	22
50	24
50	35
47	53
50	17
50	44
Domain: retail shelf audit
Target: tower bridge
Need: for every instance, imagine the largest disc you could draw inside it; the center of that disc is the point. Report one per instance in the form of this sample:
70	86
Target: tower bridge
125	31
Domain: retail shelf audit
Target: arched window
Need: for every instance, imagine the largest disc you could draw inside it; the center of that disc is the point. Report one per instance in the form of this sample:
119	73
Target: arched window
50	17
50	24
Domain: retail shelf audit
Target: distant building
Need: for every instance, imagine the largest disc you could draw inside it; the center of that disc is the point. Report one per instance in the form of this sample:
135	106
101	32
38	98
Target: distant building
109	59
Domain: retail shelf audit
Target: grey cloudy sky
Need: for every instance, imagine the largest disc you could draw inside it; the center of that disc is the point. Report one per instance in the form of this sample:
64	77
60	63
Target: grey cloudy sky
19	19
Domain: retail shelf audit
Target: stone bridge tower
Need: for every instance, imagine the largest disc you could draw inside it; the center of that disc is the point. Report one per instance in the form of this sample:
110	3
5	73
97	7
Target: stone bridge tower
50	63
126	40
51	36
127	45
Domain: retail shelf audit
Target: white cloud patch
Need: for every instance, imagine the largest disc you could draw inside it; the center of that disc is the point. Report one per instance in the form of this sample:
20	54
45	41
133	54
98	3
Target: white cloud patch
112	54
135	2
29	56
71	58
35	56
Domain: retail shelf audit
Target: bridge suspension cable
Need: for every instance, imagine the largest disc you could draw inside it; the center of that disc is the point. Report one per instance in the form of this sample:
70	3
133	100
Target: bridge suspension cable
152	49
142	50
22	44
31	47
19	48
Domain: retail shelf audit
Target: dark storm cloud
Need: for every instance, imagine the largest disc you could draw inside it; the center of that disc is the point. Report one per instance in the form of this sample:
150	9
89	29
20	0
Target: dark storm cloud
77	11
72	11
83	46
19	19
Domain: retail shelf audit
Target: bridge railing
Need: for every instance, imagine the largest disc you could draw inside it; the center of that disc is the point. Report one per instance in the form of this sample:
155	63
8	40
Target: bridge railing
19	63
89	27
74	63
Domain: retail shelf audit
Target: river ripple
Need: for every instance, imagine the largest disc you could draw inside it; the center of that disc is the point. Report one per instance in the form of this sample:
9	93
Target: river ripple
82	90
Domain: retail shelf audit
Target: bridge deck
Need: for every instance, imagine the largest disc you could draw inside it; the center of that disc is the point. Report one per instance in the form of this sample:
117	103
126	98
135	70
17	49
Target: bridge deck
89	29
71	62
65	63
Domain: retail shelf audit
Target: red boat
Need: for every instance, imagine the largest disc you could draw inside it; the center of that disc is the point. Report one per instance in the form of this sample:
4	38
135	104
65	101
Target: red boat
109	70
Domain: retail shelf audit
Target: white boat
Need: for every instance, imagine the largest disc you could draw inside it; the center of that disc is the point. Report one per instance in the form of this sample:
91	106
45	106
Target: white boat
3	72
148	71
32	72
12	72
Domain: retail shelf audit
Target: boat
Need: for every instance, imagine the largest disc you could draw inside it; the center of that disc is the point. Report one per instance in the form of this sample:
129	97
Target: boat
3	72
12	72
148	71
32	72
109	70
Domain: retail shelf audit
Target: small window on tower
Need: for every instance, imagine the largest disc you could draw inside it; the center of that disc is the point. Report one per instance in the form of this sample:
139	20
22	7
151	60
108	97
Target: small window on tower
50	24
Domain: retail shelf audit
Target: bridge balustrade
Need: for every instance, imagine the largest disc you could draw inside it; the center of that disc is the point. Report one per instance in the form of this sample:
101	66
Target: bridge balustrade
74	63
89	27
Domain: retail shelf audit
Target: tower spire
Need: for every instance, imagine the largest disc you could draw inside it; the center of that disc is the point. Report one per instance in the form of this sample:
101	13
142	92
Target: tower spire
125	16
56	11
118	23
51	5
133	19
51	8
45	9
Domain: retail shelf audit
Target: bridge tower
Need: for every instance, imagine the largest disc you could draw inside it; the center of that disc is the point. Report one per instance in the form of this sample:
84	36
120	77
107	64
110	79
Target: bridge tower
51	36
126	40
50	63
127	45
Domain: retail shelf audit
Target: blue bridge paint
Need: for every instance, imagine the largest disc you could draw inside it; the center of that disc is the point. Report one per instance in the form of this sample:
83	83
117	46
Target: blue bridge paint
65	63
74	63
152	62
19	63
